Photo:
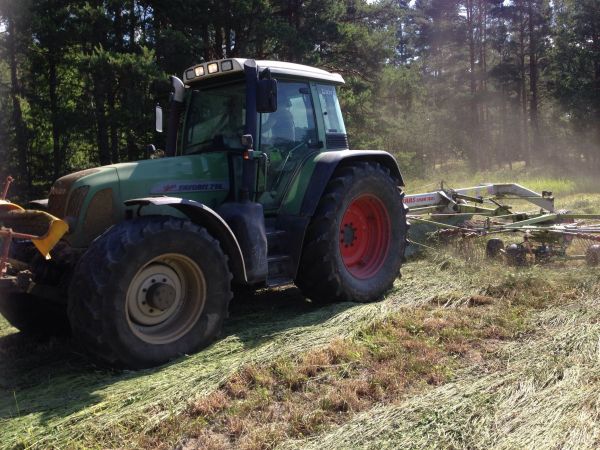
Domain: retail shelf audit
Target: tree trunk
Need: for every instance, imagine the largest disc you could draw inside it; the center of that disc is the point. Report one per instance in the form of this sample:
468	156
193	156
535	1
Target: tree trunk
533	87
474	119
114	132
101	122
485	136
132	25
206	42
54	114
596	148
132	149
525	135
17	113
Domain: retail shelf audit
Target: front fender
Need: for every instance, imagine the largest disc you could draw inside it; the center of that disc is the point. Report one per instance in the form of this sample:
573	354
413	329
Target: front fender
203	215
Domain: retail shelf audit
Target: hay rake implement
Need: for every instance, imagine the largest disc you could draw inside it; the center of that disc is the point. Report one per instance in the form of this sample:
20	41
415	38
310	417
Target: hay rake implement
464	216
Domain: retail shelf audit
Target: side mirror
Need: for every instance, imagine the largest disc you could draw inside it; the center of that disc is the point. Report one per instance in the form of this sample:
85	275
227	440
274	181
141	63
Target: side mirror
266	98
158	118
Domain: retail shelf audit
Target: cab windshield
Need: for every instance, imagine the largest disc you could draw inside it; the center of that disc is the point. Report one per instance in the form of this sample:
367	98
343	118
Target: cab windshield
216	119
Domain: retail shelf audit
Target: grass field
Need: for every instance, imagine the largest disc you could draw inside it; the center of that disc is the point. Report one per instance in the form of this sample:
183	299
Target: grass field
456	356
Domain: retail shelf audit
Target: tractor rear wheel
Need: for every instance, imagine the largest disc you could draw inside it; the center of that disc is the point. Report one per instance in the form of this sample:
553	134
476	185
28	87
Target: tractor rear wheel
149	290
355	243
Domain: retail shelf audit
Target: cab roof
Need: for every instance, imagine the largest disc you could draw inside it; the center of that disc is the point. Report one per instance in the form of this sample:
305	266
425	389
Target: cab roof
219	67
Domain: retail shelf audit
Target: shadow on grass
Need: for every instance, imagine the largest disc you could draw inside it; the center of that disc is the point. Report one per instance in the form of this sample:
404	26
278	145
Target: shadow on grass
53	378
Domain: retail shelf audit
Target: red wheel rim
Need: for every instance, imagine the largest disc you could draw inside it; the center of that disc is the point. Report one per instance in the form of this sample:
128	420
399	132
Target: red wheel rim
364	236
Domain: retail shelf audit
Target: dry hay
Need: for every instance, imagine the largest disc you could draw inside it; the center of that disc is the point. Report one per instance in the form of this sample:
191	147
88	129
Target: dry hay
546	397
75	404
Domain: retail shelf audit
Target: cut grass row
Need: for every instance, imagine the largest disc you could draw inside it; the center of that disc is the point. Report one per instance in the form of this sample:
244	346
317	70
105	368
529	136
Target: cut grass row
296	378
544	395
51	397
404	355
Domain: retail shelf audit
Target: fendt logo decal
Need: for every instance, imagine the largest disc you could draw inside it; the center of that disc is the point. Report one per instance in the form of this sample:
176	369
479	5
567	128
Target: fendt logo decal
170	187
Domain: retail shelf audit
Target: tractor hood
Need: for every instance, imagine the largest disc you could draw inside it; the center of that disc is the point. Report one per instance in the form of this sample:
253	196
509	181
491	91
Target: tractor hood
203	178
92	200
68	192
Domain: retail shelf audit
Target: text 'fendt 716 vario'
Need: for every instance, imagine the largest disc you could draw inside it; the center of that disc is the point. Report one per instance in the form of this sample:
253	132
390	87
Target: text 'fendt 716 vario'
257	187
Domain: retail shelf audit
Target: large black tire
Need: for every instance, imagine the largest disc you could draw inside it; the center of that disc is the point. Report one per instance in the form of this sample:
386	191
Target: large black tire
33	315
111	309
368	194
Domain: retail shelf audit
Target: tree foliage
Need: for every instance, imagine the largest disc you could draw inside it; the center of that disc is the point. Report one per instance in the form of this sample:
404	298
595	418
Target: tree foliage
488	81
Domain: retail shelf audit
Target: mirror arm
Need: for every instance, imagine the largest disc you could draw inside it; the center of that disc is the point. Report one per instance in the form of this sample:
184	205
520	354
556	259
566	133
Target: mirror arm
175	110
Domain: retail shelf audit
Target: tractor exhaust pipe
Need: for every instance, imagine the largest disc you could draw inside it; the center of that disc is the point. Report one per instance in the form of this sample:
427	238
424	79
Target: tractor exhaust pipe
175	109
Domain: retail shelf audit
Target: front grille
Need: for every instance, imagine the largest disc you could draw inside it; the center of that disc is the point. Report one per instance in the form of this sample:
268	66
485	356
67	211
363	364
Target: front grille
57	200
336	141
99	214
76	201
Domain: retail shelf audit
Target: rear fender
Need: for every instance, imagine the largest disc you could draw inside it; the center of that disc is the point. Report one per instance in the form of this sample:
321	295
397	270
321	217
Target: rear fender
204	216
328	162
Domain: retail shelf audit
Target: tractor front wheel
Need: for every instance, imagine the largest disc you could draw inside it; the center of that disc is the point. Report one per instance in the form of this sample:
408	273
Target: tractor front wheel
355	243
149	290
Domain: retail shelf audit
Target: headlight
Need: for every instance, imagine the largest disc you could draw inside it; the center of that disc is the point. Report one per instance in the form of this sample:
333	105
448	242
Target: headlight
226	65
213	68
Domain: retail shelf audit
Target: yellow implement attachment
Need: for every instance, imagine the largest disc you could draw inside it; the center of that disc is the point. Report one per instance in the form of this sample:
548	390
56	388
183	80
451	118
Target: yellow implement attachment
56	231
43	229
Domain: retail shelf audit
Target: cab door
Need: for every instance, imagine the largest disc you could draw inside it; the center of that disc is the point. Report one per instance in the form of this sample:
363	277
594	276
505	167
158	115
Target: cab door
287	136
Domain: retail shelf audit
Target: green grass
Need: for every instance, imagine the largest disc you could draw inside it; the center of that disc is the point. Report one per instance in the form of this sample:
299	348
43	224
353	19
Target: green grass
560	182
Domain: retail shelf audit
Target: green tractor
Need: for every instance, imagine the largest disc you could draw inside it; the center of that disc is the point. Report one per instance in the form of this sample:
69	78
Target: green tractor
256	187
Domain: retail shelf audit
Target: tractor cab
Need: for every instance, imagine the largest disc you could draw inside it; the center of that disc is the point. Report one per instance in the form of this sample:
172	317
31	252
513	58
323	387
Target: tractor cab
290	111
